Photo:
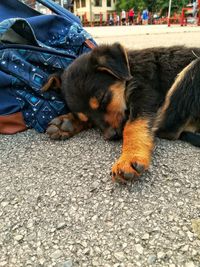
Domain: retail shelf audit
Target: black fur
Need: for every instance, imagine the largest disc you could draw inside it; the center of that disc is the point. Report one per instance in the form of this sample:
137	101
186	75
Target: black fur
135	93
153	71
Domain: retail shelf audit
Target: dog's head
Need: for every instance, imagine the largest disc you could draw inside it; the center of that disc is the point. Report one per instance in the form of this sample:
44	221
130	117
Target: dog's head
94	85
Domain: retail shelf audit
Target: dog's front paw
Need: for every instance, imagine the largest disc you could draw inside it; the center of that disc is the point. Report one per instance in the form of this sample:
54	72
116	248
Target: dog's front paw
65	126
127	168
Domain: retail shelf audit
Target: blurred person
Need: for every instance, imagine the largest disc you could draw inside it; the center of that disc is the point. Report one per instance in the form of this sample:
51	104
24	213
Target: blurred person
111	21
145	16
131	16
139	18
117	18
123	17
195	8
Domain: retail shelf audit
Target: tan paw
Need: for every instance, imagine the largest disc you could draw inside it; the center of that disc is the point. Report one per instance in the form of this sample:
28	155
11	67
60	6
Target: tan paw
129	168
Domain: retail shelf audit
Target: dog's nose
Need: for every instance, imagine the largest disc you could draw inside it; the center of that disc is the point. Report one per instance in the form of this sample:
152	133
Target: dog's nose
111	134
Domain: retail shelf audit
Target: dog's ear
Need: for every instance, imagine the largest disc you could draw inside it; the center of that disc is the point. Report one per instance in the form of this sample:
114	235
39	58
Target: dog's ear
54	83
113	59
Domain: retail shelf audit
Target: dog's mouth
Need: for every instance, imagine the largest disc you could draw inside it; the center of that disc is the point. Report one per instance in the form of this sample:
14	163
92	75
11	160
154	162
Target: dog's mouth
113	134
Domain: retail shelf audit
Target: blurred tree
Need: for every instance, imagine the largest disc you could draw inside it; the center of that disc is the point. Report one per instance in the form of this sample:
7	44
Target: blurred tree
152	5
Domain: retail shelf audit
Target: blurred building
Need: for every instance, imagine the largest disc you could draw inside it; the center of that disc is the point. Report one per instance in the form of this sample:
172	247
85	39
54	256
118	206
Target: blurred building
93	9
68	4
87	10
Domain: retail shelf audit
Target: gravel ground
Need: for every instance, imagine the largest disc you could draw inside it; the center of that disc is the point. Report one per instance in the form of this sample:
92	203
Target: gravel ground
59	207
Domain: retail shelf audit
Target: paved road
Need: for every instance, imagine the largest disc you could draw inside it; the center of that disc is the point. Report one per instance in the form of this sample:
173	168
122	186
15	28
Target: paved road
146	36
58	206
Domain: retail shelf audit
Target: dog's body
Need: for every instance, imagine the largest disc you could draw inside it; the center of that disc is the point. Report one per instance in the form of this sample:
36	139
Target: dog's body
136	94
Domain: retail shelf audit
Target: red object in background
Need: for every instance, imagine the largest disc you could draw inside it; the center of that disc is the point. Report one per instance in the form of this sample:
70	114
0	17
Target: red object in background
131	13
184	19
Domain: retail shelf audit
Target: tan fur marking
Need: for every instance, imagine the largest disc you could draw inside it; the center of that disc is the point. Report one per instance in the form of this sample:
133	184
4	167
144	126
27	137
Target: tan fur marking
162	110
137	139
116	108
94	103
118	101
82	116
137	148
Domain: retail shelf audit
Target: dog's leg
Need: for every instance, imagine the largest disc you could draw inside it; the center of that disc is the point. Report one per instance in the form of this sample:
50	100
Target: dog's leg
66	126
138	144
181	110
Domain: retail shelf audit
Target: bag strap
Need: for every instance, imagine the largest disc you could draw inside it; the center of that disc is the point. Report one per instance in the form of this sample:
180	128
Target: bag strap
89	44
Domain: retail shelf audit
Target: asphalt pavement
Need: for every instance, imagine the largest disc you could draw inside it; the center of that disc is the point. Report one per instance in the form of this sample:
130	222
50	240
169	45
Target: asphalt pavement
59	207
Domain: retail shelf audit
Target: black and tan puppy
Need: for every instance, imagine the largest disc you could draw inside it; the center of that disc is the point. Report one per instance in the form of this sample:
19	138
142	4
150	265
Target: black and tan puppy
132	94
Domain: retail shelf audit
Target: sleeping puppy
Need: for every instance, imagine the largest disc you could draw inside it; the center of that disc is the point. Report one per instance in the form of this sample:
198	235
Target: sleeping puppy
133	94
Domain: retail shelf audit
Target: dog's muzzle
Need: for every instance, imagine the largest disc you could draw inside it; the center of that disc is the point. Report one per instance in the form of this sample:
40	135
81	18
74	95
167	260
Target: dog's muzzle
112	134
115	133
